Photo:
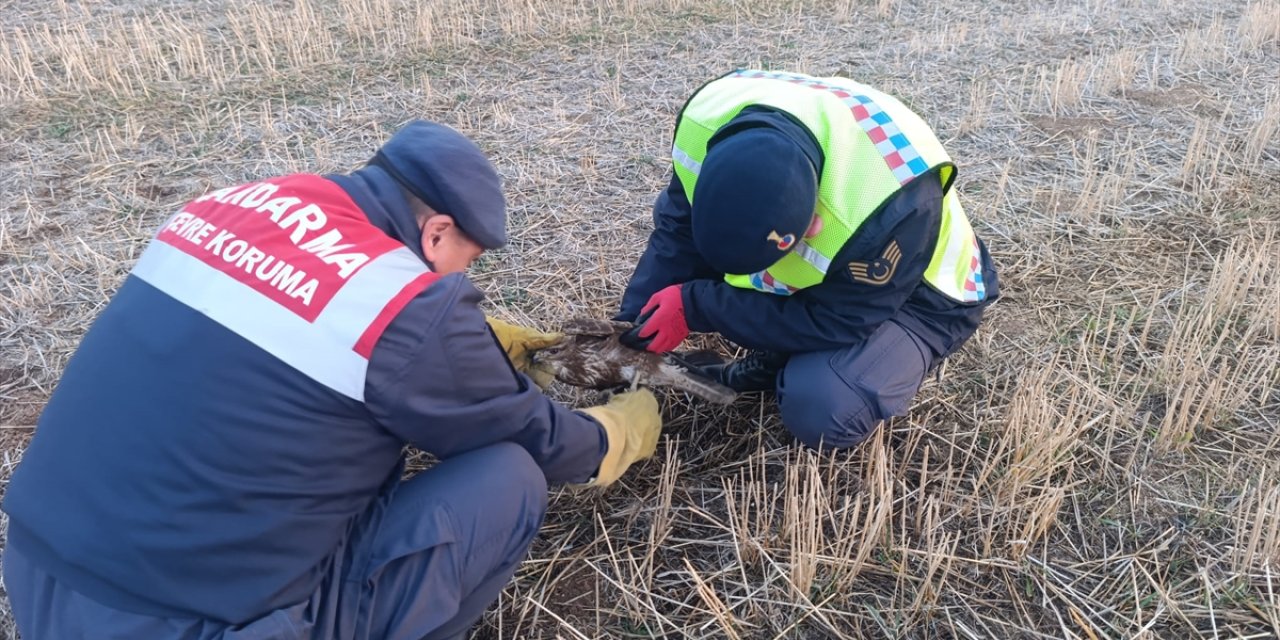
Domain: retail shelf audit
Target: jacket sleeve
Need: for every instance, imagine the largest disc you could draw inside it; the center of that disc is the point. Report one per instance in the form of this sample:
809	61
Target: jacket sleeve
439	380
670	257
842	310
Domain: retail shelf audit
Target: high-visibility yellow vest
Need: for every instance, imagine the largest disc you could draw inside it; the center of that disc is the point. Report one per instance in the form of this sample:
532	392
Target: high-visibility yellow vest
872	145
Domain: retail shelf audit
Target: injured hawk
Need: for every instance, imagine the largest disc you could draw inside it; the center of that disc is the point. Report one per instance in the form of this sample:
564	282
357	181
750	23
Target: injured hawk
591	356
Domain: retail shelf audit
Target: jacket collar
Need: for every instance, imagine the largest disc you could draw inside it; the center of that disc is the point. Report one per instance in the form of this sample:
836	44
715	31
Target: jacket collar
384	203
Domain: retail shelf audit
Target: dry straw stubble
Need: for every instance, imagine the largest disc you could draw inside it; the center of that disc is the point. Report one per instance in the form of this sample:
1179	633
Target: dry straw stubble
1098	462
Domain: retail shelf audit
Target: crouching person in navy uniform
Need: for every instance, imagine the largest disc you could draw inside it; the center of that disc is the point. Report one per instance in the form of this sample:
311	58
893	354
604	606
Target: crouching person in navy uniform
812	220
222	458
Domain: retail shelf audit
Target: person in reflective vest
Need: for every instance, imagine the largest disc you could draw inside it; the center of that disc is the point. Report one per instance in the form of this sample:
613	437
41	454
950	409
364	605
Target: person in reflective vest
815	222
223	455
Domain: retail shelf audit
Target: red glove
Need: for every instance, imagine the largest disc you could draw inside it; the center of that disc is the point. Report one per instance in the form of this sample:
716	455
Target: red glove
661	326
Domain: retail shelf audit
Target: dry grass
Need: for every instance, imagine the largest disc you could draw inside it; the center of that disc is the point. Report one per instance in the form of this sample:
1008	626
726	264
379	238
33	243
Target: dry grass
1101	461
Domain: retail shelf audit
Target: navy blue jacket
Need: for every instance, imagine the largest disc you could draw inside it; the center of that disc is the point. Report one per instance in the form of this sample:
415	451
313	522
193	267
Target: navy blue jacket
838	312
182	470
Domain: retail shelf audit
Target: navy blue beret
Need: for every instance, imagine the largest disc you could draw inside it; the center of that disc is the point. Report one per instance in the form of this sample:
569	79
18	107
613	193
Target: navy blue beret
753	201
446	170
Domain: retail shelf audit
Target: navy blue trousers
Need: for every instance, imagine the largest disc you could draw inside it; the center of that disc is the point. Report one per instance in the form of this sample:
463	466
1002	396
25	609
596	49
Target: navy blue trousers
423	563
837	398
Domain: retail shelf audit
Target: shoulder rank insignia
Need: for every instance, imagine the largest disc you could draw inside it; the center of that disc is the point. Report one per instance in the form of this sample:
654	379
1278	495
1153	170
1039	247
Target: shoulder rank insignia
878	271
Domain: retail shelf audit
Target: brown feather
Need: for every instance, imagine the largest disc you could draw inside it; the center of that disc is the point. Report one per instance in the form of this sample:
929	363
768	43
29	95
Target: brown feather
591	356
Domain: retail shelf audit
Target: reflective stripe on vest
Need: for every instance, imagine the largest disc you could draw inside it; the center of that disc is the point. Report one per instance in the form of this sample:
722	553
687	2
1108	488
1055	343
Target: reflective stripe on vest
895	148
872	145
956	266
292	265
813	256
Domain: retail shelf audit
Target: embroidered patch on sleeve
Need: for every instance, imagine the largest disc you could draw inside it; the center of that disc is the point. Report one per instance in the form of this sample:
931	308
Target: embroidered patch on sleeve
878	271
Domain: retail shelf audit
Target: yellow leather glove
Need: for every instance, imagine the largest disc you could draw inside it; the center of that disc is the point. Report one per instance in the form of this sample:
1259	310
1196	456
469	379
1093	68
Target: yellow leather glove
632	423
520	343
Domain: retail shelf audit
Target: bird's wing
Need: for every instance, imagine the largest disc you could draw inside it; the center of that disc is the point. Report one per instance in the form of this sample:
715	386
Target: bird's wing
588	327
680	374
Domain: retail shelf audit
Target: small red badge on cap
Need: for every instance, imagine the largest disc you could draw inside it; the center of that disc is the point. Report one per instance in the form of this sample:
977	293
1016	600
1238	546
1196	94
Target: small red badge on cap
783	242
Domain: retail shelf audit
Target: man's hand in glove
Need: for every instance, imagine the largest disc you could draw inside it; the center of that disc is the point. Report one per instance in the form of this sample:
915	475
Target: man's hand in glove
632	423
661	326
521	343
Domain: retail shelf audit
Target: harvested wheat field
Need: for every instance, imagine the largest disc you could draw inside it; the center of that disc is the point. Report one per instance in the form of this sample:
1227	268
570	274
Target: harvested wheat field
1101	461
